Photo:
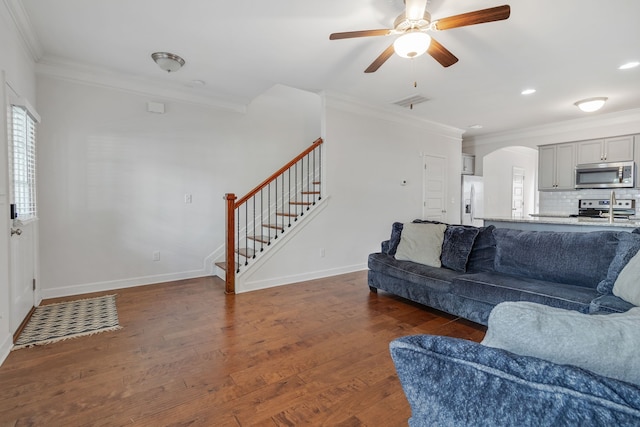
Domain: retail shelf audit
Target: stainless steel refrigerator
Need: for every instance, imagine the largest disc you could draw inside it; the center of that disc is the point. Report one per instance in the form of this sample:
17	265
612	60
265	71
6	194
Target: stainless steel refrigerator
472	200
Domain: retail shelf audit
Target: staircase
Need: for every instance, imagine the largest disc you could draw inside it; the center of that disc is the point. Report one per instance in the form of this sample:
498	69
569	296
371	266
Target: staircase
255	221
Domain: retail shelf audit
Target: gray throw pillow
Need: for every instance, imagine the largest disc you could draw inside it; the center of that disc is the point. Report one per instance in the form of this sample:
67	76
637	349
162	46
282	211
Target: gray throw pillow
421	243
627	285
628	246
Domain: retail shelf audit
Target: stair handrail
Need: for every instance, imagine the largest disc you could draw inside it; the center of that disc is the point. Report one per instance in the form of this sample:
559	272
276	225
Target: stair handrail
279	172
234	203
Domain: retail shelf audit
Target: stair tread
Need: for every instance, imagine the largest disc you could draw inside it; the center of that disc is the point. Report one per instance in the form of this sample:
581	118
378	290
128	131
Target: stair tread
287	214
310	192
278	226
223	265
301	203
246	252
259	238
316	182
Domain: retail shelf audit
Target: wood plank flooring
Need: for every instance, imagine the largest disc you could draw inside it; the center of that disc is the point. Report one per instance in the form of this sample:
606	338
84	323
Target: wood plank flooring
313	353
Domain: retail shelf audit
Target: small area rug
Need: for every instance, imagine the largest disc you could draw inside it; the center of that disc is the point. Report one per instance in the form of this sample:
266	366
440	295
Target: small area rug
65	320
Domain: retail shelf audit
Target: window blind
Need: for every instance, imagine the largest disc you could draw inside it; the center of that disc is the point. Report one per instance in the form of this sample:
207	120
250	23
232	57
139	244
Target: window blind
22	163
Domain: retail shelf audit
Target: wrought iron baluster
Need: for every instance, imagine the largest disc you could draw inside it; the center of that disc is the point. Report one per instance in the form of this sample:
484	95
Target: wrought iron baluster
238	241
246	234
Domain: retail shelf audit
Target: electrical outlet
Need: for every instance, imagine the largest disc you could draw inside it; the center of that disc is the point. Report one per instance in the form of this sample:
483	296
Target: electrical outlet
188	198
156	255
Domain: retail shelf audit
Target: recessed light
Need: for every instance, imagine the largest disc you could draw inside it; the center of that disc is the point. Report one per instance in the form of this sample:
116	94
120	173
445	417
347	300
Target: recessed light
528	91
628	65
476	126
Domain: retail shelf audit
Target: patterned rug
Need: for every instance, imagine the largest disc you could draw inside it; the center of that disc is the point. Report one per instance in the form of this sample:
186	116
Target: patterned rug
65	320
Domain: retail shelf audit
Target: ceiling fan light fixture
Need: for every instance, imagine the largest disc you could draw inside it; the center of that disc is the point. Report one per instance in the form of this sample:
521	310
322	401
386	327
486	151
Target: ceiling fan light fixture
412	44
590	105
168	62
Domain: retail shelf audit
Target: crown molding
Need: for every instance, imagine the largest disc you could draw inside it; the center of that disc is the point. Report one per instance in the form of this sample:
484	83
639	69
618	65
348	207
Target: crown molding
353	105
627	121
103	78
25	29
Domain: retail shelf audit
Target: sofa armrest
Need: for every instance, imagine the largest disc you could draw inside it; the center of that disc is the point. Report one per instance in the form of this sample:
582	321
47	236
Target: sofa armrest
454	382
384	247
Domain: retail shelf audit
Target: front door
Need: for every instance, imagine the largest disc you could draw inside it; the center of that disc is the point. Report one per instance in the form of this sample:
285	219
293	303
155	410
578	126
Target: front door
23	224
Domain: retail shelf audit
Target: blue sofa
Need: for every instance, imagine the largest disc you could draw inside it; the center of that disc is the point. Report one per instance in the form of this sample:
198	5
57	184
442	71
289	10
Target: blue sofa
483	266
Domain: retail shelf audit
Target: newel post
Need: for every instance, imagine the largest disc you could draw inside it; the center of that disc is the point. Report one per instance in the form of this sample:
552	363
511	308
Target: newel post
230	247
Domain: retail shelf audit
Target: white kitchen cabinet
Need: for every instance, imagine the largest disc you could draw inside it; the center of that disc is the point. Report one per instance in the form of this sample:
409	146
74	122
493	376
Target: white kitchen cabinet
468	164
556	167
618	149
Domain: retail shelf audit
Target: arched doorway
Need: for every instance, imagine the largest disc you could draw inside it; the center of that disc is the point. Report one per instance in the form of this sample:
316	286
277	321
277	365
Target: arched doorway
510	182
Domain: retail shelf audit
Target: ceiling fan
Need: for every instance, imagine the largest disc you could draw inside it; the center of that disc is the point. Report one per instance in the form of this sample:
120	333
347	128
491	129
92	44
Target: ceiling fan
412	27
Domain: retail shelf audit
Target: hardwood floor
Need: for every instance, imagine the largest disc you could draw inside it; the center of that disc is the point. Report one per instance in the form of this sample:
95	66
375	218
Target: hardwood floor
313	353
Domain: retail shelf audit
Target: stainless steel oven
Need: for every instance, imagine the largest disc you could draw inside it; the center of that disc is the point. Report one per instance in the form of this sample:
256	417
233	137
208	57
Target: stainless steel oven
606	175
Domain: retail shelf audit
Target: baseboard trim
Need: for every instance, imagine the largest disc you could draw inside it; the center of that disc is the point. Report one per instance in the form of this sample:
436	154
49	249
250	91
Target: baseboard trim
287	280
121	284
5	348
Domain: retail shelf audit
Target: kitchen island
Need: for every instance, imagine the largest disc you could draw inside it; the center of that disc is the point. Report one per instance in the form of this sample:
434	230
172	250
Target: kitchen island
562	223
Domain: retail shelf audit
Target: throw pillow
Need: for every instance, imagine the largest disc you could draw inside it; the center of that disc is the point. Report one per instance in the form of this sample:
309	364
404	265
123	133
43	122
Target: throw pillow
394	240
421	243
483	252
628	246
605	344
458	241
626	285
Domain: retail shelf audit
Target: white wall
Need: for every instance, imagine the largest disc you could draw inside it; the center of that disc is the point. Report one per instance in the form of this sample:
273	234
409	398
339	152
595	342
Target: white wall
366	156
498	166
112	179
17	68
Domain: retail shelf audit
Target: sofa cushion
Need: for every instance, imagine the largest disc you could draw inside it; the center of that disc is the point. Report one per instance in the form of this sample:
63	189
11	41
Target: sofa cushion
607	345
494	288
627	285
457	245
455	382
628	246
605	304
580	259
483	251
438	279
421	243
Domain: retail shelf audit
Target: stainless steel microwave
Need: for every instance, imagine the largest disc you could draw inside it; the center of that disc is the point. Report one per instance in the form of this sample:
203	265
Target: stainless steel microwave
606	175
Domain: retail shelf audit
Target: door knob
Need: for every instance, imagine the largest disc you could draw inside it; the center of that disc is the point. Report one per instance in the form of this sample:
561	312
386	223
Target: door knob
16	231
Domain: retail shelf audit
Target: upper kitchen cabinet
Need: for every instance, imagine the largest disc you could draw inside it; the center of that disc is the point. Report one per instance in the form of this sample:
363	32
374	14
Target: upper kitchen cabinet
468	164
617	149
556	167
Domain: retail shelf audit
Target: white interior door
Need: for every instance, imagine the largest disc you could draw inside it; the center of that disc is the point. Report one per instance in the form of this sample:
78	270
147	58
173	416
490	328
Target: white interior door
434	188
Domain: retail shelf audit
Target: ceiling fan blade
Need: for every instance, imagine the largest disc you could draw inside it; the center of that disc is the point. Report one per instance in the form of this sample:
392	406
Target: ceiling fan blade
388	52
441	54
363	33
415	9
477	17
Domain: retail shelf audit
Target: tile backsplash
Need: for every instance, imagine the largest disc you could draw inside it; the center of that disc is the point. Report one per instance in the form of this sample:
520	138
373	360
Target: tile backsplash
566	202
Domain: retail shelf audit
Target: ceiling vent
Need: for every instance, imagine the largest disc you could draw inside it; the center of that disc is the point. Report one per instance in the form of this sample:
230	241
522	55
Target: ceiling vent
411	101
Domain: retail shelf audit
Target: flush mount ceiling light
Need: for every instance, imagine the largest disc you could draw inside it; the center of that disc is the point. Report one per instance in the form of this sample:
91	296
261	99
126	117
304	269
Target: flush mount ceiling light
528	92
412	44
590	105
169	62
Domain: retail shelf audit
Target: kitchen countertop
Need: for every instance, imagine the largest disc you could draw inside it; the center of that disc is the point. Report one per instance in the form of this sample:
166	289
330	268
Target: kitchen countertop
566	220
